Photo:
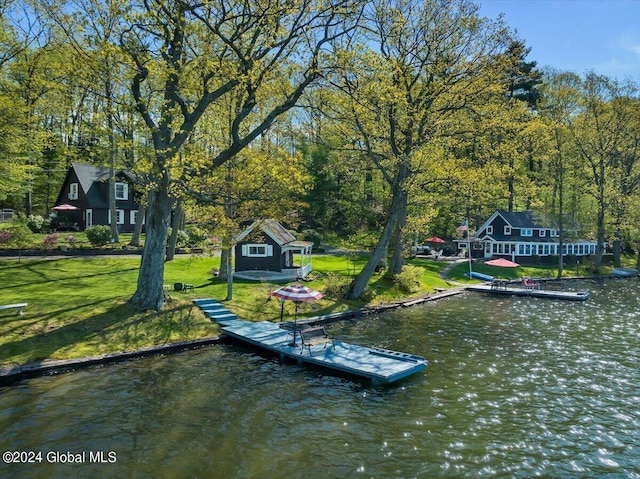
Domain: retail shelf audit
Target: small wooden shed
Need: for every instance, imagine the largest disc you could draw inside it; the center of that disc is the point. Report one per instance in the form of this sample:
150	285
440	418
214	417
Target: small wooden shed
266	245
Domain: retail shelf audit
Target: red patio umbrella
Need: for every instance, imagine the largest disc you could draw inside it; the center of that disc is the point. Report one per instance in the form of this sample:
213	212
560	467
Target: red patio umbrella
502	263
65	207
296	293
435	239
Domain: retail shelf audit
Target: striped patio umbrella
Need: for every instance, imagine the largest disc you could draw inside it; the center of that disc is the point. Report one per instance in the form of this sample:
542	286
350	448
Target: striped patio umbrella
296	293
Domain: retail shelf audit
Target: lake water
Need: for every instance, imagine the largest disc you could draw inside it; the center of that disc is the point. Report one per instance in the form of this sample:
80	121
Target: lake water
514	388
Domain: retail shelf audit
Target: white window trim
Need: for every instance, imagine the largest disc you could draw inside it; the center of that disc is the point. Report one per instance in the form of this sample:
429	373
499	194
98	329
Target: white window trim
124	190
507	229
528	232
73	191
133	216
490	230
119	215
266	250
543	233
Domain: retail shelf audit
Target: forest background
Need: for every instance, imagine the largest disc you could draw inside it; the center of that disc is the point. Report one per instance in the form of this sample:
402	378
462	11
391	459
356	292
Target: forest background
402	118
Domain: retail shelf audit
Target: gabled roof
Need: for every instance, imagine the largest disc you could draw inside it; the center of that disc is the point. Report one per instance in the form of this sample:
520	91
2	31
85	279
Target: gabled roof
515	219
89	174
270	227
520	219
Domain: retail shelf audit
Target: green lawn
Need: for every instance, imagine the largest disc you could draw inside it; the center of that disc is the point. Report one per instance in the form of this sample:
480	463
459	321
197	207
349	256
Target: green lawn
78	307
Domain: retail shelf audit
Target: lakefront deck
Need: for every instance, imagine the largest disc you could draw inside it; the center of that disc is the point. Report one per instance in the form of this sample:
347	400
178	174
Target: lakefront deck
512	290
381	366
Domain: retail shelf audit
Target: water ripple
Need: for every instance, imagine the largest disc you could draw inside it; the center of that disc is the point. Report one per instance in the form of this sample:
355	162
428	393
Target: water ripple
515	387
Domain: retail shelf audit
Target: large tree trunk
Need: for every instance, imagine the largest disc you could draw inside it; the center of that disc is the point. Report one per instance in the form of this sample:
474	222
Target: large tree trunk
176	223
112	163
149	294
600	249
229	268
137	229
360	282
617	247
560	185
397	260
225	253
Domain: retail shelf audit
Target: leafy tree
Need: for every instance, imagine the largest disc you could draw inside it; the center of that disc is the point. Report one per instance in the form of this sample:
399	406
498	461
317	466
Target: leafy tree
598	130
419	64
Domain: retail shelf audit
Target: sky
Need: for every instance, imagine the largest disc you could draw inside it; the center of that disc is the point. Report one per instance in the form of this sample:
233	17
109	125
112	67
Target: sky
577	35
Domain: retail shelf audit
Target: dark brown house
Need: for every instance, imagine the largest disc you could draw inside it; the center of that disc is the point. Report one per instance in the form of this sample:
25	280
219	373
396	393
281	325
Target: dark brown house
266	245
83	200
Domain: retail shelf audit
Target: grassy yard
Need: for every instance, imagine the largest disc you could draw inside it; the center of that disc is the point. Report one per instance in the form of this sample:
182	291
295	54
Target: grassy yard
78	306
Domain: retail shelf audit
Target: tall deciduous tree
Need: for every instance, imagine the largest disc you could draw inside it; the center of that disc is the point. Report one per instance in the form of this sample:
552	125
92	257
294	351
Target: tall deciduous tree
598	130
189	56
419	64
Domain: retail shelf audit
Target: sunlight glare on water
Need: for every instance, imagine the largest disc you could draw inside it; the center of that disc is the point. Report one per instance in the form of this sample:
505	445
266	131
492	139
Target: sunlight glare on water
515	387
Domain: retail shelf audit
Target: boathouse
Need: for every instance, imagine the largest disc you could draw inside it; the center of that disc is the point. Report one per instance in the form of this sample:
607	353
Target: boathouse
266	245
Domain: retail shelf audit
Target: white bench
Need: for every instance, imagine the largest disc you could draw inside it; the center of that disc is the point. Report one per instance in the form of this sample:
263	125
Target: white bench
17	306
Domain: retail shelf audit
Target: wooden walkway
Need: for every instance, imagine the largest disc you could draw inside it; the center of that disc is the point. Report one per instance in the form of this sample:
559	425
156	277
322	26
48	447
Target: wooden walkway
381	366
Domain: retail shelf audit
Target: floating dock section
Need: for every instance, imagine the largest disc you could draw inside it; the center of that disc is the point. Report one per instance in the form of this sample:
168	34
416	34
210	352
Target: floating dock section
530	292
381	366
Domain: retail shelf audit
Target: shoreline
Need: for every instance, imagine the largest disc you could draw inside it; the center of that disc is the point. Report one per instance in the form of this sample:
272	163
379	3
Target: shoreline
15	373
11	372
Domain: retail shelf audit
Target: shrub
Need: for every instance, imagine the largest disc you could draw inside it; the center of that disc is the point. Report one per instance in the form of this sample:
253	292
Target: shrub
196	235
99	235
182	241
50	241
35	223
336	286
408	280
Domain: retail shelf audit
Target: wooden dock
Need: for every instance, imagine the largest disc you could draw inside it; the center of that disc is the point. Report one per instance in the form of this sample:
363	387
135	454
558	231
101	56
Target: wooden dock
530	292
381	366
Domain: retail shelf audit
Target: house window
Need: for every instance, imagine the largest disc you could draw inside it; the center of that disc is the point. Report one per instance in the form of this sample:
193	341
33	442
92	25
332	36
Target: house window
543	233
133	217
526	232
119	217
553	233
257	250
122	191
73	191
507	230
489	230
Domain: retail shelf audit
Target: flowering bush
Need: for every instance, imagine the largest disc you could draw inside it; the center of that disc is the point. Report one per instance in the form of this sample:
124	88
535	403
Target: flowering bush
50	240
5	236
35	223
71	240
